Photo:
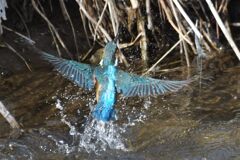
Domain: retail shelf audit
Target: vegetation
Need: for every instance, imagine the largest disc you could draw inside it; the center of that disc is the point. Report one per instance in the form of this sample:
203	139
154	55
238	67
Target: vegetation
200	30
200	26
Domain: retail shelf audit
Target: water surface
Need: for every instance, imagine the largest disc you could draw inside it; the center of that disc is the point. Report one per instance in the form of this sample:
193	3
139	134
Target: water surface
195	123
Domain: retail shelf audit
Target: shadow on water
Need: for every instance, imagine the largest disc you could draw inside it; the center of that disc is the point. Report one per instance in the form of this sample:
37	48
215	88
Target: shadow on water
54	114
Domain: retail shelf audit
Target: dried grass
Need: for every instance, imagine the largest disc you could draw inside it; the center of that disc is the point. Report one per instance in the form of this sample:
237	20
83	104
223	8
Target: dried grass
101	20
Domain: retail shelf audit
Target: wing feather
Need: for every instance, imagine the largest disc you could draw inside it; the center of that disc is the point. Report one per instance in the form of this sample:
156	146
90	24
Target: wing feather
133	85
79	73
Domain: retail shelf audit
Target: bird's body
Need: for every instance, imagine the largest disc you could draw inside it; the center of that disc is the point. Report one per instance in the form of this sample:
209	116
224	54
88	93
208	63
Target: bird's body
110	80
106	92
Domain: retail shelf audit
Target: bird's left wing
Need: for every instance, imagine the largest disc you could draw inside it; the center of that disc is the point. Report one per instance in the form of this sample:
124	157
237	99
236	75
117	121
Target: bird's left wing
134	85
79	73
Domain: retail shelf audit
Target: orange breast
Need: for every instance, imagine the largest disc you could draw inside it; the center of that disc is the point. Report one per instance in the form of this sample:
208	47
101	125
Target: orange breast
98	89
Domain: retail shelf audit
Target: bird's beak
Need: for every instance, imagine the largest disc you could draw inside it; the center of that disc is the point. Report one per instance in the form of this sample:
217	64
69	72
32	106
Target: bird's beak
116	38
120	28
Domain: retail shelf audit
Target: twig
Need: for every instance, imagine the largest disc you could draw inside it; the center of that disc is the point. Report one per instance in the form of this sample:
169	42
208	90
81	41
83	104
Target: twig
9	118
92	20
134	4
125	45
84	26
200	55
149	17
52	27
22	19
169	17
122	58
204	11
169	51
95	31
209	40
99	21
144	39
180	26
196	31
52	32
18	54
161	12
50	5
19	34
67	16
113	16
235	24
223	28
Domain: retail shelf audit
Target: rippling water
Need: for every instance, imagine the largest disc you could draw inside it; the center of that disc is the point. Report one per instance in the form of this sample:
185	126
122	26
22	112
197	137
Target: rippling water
192	124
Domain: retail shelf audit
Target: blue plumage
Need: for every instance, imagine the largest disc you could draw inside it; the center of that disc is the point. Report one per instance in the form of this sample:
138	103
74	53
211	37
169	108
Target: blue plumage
79	73
133	85
110	80
106	77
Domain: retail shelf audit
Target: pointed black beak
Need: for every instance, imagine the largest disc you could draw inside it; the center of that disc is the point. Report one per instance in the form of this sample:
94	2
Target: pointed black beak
116	38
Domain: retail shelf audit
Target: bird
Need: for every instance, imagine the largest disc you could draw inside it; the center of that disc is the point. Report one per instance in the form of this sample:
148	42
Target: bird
110	81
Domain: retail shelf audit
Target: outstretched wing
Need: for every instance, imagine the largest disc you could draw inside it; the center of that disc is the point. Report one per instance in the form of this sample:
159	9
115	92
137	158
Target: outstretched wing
134	85
79	73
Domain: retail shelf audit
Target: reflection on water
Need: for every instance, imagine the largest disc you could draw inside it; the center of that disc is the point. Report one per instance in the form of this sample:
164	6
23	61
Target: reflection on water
55	115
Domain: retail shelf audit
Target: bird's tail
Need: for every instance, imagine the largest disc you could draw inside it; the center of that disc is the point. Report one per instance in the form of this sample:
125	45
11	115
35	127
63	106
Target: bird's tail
103	113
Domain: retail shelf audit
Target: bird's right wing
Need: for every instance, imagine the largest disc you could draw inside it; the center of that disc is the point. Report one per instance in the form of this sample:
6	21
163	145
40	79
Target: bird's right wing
133	85
79	73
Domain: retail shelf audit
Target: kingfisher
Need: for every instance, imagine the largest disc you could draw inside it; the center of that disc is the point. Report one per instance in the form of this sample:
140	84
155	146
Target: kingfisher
110	80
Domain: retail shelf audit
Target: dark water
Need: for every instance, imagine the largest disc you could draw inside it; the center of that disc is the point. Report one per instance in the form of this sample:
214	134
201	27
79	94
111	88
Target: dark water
193	124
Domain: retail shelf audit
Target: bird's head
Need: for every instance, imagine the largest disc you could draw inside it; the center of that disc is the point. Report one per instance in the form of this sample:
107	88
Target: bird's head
109	54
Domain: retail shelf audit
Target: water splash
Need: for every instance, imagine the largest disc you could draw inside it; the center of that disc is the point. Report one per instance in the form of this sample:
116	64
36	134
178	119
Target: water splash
73	130
97	136
137	115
